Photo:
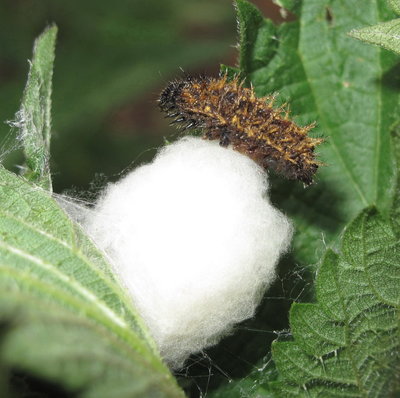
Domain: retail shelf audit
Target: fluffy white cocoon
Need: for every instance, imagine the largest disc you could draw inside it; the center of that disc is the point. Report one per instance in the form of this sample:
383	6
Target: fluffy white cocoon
195	239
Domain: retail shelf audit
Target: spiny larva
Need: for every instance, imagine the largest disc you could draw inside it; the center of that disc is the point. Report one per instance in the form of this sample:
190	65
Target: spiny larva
228	112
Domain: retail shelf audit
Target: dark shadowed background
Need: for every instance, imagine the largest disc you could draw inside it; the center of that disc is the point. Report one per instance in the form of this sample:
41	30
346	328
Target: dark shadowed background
112	60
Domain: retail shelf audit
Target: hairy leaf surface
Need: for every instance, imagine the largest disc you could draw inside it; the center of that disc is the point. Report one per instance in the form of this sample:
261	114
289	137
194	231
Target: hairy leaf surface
385	34
34	117
348	343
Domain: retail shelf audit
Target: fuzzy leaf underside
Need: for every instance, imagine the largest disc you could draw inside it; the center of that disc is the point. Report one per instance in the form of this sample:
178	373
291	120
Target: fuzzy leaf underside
348	343
34	117
386	35
348	88
64	316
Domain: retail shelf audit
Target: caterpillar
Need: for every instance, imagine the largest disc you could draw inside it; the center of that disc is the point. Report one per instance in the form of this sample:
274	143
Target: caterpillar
231	113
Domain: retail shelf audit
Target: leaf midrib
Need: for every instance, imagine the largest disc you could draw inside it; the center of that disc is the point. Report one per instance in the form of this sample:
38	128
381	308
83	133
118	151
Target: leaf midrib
116	340
91	312
111	284
80	288
95	300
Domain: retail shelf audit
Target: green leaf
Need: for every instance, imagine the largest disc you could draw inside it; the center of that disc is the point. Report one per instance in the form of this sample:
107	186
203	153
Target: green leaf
67	319
395	5
348	88
255	37
34	116
395	210
386	35
290	5
348	343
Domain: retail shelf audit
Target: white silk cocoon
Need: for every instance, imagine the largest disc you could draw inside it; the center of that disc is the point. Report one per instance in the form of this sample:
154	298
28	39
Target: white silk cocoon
195	239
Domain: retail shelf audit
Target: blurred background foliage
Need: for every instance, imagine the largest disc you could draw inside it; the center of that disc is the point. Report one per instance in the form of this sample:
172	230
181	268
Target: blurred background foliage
112	60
